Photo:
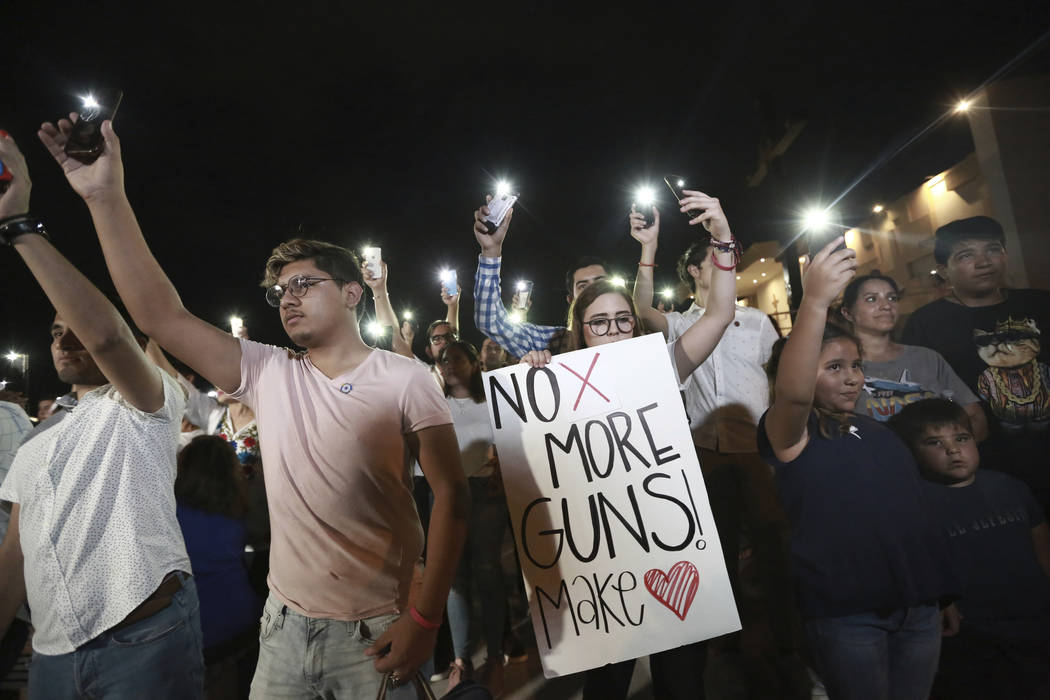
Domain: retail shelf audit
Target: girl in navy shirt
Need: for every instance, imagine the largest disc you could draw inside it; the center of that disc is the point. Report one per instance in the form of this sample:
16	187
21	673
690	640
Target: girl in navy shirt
868	562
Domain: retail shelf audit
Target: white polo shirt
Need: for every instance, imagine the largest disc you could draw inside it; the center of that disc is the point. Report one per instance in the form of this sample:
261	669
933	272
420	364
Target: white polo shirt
97	514
727	394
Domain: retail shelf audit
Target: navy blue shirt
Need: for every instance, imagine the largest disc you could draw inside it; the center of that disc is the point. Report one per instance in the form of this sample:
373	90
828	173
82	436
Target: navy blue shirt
1005	592
862	535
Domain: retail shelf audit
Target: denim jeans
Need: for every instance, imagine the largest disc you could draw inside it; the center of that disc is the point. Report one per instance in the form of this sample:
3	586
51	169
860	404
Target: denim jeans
308	657
481	563
160	657
873	656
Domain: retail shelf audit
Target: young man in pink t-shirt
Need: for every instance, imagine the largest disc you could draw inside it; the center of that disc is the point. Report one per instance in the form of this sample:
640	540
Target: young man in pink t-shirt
340	425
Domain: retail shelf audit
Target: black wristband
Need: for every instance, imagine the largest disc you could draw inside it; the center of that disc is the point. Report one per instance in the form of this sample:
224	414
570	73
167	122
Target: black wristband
20	226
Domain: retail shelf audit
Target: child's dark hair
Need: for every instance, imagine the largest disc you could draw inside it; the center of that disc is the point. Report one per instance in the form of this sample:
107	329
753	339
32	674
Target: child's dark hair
912	422
830	421
209	478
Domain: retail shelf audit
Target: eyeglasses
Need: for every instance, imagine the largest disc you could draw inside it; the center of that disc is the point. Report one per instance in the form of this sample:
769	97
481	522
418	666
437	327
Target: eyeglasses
297	286
600	326
442	337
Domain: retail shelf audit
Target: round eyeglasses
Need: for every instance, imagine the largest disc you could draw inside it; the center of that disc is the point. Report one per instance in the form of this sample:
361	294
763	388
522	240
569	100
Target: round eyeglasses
297	286
600	326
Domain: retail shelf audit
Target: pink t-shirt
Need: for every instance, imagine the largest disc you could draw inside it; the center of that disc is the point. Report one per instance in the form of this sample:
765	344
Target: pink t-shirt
345	532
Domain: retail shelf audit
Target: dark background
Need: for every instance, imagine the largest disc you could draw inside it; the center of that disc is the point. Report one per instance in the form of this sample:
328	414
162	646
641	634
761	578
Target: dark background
244	127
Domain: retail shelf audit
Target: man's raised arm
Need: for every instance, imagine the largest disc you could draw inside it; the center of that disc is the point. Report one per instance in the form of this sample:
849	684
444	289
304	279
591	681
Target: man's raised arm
145	289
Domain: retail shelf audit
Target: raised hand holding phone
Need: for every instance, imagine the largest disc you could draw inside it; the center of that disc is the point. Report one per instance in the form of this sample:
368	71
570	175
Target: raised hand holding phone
85	141
491	242
828	274
102	177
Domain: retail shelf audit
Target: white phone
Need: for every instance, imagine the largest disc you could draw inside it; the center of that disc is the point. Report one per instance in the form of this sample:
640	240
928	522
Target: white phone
498	208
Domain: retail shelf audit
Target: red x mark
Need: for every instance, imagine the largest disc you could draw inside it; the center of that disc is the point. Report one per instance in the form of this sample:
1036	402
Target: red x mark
586	381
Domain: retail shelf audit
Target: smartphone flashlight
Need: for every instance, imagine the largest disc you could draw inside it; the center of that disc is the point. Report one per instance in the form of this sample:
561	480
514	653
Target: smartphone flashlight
522	294
449	283
236	325
373	260
644	198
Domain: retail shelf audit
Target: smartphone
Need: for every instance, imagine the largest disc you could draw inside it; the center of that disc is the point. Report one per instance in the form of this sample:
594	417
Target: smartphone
522	295
449	283
5	174
85	141
498	208
818	239
373	261
676	183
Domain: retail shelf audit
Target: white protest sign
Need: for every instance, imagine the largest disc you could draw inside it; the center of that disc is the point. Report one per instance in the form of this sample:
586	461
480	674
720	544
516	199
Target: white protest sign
613	527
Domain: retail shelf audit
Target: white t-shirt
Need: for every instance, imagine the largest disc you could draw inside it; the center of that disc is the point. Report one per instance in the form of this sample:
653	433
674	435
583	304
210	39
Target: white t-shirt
474	433
97	522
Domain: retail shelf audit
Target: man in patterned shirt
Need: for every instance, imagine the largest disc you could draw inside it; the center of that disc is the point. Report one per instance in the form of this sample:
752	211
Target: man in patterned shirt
93	541
490	316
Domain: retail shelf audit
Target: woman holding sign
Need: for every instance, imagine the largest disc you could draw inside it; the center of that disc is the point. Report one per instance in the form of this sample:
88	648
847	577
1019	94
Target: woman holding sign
869	564
480	563
604	313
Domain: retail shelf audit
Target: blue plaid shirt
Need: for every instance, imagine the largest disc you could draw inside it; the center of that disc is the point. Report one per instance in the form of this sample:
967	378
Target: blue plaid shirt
490	316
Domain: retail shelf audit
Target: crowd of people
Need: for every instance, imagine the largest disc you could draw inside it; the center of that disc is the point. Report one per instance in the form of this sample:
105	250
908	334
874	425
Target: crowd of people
308	531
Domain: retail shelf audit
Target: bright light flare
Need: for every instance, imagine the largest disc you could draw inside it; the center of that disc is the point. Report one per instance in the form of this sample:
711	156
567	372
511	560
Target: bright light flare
877	209
89	101
681	182
816	219
213	394
236	324
962	106
502	188
516	317
407	315
12	356
618	281
644	196
376	329
521	286
667	293
445	275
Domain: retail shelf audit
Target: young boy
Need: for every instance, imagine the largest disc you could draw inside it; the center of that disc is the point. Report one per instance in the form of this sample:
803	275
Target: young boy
1001	546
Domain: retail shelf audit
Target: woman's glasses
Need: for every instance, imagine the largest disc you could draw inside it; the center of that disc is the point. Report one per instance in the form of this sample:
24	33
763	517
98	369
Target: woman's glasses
600	326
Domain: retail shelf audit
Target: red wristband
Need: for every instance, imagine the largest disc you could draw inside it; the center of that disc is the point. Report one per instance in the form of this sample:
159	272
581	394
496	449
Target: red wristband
422	621
719	266
641	264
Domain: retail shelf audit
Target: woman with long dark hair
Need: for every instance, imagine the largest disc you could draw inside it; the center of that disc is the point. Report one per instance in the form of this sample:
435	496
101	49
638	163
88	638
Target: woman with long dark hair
480	564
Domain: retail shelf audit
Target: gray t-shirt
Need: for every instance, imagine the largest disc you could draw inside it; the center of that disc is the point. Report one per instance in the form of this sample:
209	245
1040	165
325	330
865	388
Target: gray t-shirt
917	373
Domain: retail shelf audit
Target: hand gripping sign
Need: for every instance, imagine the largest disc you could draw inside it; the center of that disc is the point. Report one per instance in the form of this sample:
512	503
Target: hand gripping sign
614	530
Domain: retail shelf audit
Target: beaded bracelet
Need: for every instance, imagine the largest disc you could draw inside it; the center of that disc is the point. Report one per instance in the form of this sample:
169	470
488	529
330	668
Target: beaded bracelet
730	246
14	226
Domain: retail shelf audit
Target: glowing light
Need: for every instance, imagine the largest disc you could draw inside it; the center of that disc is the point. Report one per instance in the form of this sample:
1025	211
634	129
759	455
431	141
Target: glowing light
738	276
933	272
214	394
407	315
445	275
681	182
12	356
763	274
90	102
502	188
877	209
851	237
376	329
3	383
962	106
754	281
761	259
815	219
667	292
802	260
521	286
236	324
618	281
937	185
515	317
644	196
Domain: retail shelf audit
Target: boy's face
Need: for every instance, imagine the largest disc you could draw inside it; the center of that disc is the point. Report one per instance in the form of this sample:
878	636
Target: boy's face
948	455
976	266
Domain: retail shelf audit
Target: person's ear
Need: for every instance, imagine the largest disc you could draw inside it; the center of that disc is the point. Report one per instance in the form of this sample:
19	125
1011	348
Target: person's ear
568	298
845	314
352	293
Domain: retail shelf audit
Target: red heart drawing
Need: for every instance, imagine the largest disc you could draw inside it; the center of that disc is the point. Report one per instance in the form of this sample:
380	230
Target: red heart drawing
676	588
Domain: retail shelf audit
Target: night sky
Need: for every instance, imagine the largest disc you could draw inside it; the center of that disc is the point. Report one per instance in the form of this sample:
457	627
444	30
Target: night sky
388	125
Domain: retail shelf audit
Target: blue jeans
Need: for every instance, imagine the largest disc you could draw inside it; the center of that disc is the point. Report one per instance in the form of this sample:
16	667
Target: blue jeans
309	657
158	658
481	563
873	656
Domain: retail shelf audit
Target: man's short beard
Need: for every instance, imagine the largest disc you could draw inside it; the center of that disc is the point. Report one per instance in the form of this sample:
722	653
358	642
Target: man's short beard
91	377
